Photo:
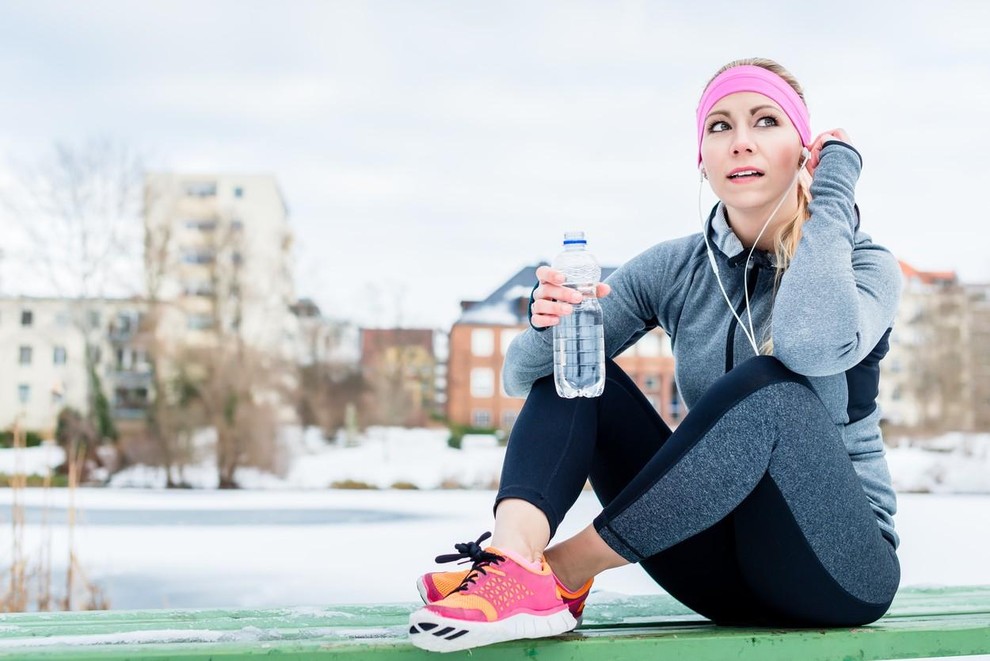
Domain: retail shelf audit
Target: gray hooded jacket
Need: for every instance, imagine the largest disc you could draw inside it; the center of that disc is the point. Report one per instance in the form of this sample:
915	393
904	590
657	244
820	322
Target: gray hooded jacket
830	319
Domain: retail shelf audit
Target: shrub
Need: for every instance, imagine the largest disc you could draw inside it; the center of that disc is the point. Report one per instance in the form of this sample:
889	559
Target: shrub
351	484
35	480
31	438
457	433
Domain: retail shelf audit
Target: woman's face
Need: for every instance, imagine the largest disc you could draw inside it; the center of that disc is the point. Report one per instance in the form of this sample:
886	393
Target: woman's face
747	131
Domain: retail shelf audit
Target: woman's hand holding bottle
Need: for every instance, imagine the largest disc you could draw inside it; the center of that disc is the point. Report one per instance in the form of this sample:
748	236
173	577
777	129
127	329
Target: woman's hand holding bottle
552	300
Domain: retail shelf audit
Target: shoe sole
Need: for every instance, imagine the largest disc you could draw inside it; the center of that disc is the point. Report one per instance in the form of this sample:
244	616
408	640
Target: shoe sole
436	633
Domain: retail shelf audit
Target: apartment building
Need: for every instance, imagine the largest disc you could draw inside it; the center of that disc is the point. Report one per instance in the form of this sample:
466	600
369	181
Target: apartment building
937	373
218	260
482	334
43	357
976	358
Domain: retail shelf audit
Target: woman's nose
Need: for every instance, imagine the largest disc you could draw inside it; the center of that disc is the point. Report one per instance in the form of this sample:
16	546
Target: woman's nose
742	142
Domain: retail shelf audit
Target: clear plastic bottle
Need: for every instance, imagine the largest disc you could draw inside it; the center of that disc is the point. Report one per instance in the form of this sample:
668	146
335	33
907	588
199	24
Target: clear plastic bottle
579	338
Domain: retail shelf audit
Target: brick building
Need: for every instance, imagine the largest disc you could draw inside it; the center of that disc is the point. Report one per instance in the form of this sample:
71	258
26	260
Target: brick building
400	366
482	334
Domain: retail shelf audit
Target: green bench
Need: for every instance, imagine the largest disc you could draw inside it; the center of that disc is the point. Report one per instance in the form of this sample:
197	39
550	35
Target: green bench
921	623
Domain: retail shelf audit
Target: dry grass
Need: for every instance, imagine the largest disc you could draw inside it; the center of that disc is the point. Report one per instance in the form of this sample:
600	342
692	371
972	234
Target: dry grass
26	584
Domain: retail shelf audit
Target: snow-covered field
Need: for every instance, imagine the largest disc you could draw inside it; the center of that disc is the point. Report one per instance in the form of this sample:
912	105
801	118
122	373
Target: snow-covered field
152	548
290	541
386	456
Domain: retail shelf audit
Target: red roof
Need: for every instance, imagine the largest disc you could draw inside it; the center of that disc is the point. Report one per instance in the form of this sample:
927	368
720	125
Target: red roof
928	277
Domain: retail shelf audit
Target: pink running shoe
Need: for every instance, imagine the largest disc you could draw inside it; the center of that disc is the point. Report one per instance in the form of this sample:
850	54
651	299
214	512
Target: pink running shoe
498	600
435	586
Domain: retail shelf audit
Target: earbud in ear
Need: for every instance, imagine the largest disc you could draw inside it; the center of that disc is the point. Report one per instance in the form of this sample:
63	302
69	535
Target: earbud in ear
702	172
805	155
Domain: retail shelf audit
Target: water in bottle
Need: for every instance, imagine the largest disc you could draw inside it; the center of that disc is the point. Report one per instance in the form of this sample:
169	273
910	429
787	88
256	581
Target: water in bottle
579	338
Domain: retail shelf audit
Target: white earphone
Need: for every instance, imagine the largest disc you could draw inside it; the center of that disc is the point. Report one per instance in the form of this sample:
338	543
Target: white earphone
749	332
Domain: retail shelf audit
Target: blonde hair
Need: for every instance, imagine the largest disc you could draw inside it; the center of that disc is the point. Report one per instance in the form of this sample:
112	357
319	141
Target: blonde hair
786	241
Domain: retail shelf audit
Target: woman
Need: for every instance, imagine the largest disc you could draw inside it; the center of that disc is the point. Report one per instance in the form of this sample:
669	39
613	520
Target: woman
771	503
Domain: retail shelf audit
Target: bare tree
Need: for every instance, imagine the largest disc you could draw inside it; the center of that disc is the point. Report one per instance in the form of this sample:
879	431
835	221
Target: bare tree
937	382
79	209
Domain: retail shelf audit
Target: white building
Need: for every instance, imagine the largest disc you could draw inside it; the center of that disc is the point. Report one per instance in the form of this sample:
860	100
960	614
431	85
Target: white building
937	373
219	255
43	358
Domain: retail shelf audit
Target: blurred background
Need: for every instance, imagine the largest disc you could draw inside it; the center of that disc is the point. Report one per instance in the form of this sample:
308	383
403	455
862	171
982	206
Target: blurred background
260	263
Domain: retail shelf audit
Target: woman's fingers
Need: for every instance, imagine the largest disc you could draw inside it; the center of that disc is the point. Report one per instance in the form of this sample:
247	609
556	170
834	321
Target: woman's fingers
551	300
544	320
819	143
547	274
557	293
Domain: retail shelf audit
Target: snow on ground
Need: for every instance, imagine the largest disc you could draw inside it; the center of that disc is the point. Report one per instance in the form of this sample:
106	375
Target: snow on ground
384	456
31	461
387	456
371	545
951	463
291	541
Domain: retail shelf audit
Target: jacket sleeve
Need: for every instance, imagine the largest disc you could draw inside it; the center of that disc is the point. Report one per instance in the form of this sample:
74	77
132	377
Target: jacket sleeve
839	294
638	298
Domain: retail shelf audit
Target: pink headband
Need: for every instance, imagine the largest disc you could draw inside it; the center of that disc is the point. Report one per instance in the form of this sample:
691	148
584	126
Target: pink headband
747	78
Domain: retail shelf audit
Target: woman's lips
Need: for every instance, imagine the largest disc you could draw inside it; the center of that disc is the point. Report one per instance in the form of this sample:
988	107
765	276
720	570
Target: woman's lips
744	175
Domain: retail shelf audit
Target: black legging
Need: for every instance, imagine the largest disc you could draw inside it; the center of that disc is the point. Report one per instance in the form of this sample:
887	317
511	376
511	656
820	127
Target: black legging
750	513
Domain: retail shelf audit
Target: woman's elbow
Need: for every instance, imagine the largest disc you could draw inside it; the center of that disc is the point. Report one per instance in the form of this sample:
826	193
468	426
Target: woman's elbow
813	354
515	388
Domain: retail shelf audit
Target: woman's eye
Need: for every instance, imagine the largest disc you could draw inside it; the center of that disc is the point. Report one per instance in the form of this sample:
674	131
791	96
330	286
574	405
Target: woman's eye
717	125
772	121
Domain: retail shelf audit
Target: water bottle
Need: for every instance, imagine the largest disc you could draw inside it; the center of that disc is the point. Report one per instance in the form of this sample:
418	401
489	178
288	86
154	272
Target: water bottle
579	338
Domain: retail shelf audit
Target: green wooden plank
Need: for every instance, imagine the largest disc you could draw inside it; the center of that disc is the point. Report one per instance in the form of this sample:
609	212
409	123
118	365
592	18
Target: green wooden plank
921	622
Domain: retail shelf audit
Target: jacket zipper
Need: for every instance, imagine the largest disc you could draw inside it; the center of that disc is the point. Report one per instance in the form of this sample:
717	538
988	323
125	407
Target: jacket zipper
751	279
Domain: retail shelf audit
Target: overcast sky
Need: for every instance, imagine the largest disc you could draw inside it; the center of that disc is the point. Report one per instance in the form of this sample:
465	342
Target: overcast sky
427	150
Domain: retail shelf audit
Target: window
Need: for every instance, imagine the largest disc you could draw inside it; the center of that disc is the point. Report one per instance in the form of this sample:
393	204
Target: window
481	418
198	288
507	336
482	342
201	225
676	406
122	324
24	356
57	398
199	321
201	188
93	318
238	191
236	225
27	318
237	258
130	398
197	256
24	393
509	419
651	382
58	356
482	382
